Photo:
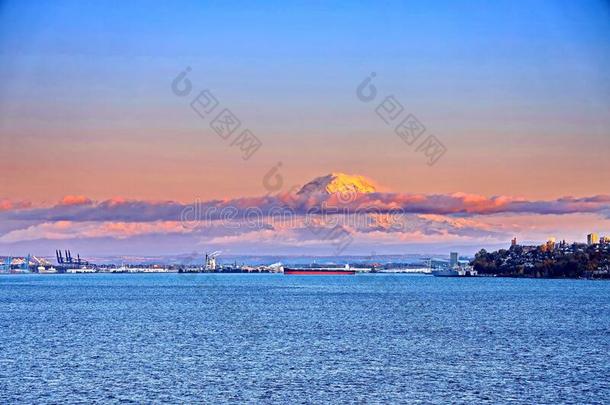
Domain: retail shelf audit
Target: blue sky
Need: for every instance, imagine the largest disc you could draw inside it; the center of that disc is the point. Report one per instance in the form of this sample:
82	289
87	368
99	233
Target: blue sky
519	92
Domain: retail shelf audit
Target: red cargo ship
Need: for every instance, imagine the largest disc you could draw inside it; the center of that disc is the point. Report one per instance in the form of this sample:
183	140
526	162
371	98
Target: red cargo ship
320	271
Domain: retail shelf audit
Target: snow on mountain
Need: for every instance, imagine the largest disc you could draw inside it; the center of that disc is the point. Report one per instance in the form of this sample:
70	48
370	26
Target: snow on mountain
338	183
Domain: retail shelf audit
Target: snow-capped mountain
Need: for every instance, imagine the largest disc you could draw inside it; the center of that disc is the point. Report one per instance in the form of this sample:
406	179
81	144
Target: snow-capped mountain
338	183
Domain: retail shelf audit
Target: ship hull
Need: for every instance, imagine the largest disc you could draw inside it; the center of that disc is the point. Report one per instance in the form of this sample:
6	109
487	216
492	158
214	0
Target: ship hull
318	272
452	273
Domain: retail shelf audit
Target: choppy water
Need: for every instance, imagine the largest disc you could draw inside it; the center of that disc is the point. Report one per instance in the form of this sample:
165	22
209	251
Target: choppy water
272	338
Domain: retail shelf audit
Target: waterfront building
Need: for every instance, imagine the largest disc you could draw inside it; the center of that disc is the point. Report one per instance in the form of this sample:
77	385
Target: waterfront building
453	259
592	239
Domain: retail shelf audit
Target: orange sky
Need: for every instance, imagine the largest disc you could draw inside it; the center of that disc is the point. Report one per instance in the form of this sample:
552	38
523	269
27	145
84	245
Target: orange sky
186	167
97	103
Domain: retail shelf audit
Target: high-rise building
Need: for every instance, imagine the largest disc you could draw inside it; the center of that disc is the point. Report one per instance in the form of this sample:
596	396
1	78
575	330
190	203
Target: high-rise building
453	259
550	244
592	239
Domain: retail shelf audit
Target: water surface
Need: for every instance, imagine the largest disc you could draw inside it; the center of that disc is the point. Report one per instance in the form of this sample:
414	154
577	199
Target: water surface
272	338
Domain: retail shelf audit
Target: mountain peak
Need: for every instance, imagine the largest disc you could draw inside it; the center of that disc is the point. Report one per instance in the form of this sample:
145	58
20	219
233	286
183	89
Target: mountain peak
338	182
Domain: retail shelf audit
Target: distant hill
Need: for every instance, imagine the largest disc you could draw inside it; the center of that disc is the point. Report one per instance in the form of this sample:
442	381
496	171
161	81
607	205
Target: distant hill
546	261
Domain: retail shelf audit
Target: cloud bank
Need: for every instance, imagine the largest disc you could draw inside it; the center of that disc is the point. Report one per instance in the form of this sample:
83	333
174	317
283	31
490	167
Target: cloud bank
362	215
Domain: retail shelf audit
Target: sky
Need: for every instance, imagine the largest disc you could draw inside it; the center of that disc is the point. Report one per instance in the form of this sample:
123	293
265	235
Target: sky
518	94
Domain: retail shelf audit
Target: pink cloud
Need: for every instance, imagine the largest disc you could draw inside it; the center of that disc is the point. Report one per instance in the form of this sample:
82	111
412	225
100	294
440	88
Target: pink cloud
80	208
75	200
301	219
71	230
9	205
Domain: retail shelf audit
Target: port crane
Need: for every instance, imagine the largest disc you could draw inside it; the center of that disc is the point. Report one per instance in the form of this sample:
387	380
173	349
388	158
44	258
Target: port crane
68	261
25	266
429	262
6	266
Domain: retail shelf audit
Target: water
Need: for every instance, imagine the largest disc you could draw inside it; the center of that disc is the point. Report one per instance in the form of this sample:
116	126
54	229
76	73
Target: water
272	338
